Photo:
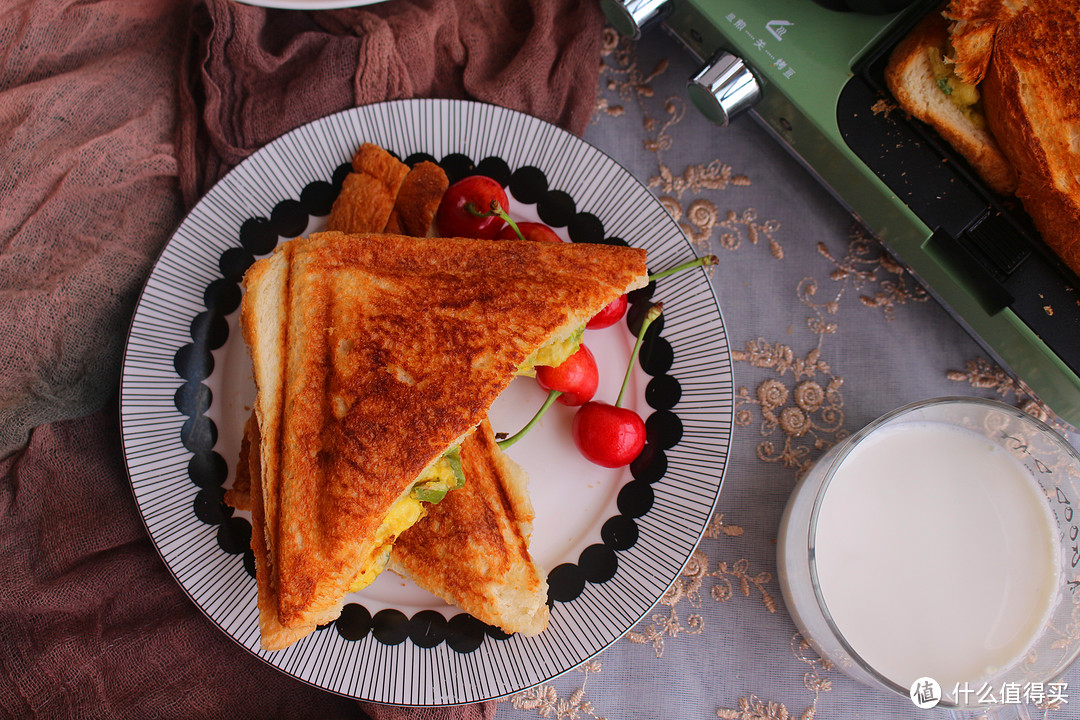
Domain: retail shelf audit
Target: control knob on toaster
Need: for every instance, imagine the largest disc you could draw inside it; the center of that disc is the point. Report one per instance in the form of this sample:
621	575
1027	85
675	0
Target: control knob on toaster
632	17
723	87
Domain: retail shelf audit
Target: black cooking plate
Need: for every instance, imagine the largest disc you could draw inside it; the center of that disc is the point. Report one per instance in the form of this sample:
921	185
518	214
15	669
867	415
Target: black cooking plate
869	7
986	235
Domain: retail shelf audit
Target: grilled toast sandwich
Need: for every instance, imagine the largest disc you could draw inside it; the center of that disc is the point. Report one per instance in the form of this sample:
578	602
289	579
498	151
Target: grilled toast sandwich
472	552
1020	59
472	548
374	357
924	84
1032	97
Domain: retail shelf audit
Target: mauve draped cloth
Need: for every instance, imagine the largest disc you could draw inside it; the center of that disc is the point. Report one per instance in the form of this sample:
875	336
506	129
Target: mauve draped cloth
115	117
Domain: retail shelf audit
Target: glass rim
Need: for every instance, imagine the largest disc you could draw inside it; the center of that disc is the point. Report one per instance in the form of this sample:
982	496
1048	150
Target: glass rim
843	450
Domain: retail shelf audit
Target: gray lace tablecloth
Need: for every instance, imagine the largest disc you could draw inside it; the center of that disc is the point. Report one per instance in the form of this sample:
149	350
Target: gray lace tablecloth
811	303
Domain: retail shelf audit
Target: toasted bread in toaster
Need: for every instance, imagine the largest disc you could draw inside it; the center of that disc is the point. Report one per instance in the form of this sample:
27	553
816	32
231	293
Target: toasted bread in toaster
374	355
472	548
971	29
1032	98
1021	58
923	84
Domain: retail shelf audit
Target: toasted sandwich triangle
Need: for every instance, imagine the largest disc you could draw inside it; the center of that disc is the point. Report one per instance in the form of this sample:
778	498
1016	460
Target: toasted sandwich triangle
472	549
372	355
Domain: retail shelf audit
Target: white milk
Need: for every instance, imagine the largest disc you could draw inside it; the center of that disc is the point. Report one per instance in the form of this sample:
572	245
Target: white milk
937	555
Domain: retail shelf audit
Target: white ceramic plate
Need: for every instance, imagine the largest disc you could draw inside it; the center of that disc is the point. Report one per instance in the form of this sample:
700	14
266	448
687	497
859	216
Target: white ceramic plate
612	540
310	4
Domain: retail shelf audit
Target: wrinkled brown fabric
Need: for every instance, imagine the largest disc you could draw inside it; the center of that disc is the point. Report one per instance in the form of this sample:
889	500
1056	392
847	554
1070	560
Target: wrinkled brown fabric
88	178
116	115
259	73
93	624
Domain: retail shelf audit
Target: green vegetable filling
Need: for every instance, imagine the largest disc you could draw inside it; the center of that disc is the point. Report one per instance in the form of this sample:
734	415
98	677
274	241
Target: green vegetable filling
444	475
553	353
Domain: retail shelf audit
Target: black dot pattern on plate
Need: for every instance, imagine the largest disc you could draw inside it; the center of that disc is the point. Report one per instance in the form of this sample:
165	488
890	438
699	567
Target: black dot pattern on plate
457	166
193	363
355	622
495	168
257	237
585	228
417	158
289	218
556	208
222	296
528	184
599	563
193	398
565	582
650	465
664	429
620	532
207	470
234	262
663	392
210	506
234	535
198	433
656	355
642	294
390	627
337	180
464	633
635	498
427	629
211	328
249	562
318	197
635	315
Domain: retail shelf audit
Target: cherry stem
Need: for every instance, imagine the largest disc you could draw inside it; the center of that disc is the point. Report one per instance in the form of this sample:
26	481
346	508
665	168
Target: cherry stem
701	261
650	316
552	395
496	209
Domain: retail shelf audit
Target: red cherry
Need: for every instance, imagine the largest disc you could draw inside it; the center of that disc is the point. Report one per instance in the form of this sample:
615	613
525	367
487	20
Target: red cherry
577	378
538	232
453	219
608	435
610	315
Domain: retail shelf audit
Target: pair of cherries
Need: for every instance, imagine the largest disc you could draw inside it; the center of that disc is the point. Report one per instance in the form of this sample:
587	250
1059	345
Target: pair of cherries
454	219
606	434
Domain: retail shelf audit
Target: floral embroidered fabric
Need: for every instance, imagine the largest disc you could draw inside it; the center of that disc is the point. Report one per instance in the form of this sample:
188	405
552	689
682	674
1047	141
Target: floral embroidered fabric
828	332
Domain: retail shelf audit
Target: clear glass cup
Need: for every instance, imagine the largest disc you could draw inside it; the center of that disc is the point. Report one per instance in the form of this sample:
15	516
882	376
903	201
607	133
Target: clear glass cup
1044	456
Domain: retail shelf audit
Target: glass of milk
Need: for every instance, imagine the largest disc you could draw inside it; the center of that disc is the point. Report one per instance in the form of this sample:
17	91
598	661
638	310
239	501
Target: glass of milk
935	553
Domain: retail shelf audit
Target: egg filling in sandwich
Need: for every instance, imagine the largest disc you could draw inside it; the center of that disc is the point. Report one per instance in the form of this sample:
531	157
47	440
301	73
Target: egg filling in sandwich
376	358
472	549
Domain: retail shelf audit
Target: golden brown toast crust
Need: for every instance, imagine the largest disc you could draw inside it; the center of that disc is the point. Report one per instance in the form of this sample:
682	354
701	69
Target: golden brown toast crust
368	192
272	634
1032	98
472	549
972	26
417	201
910	78
395	347
239	494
